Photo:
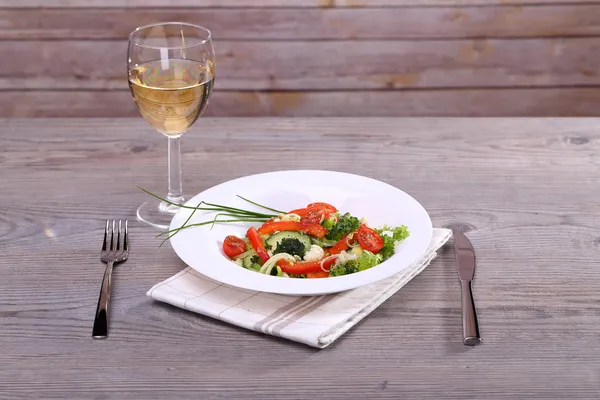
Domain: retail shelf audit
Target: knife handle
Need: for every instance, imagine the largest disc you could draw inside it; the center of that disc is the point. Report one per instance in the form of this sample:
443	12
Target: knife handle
469	316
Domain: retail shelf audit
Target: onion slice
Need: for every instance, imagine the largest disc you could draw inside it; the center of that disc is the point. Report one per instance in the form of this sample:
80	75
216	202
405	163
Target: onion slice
245	254
349	238
271	262
334	256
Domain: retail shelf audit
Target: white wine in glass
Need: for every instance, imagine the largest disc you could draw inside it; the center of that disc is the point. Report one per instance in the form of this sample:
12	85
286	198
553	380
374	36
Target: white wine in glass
171	75
172	94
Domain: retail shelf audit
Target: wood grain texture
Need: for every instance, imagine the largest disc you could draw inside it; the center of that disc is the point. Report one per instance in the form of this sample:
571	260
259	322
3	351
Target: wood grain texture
524	190
541	102
301	4
316	58
312	23
322	65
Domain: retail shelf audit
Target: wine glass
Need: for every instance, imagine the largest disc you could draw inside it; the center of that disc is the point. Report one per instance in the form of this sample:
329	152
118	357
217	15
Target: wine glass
171	75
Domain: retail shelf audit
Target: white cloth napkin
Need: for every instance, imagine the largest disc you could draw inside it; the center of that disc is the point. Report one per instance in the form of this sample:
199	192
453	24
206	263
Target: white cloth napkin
316	321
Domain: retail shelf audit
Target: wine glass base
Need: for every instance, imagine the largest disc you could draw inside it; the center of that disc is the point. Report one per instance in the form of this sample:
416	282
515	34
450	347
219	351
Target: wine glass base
157	213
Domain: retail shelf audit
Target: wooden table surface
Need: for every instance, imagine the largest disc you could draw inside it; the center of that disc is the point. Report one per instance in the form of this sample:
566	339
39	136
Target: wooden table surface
526	191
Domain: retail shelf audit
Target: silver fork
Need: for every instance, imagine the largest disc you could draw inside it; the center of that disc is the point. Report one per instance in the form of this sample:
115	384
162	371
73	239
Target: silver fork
112	252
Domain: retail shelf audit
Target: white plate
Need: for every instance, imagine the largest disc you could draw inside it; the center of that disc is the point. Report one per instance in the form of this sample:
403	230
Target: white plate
201	247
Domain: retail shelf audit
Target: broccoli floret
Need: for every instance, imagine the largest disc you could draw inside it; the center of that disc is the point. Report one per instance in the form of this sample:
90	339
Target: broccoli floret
255	263
345	225
342	269
349	267
328	223
368	260
365	261
398	234
276	271
255	267
301	276
291	246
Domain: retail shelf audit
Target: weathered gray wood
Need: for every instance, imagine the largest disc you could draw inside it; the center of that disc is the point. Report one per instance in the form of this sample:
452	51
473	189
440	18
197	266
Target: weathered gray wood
269	3
573	101
311	23
317	57
525	190
322	65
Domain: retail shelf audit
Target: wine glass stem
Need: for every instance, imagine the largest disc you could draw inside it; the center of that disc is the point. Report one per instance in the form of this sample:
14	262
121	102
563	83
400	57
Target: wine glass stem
175	182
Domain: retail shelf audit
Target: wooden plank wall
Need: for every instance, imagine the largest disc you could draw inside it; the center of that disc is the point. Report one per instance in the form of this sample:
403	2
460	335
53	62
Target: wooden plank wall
316	58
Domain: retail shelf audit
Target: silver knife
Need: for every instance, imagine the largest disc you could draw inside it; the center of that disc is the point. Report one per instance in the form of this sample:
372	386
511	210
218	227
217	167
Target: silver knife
465	258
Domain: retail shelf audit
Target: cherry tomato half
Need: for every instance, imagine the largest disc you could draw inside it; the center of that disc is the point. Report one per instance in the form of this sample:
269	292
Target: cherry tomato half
322	206
369	240
315	215
233	246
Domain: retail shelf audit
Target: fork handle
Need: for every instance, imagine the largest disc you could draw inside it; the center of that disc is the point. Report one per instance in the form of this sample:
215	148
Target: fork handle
100	330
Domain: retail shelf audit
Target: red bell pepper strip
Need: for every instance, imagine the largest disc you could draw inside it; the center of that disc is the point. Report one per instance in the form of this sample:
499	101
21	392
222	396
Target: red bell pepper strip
305	267
299	268
315	230
342	245
299	211
257	243
312	229
318	274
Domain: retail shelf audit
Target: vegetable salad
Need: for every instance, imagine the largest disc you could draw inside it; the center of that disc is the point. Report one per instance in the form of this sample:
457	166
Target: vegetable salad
316	241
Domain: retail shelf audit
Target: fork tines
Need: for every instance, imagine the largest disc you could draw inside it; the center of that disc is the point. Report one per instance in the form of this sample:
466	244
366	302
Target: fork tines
110	244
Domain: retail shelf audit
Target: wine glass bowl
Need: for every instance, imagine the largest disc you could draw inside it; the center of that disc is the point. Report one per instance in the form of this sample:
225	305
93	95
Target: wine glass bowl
170	69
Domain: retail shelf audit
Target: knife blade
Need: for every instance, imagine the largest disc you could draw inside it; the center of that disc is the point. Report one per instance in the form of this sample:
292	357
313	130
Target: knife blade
465	260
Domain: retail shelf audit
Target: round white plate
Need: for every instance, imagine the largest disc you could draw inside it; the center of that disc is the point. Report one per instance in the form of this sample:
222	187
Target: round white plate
379	203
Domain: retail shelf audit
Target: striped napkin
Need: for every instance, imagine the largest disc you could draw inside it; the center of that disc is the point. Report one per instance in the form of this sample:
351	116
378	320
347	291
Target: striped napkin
316	321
